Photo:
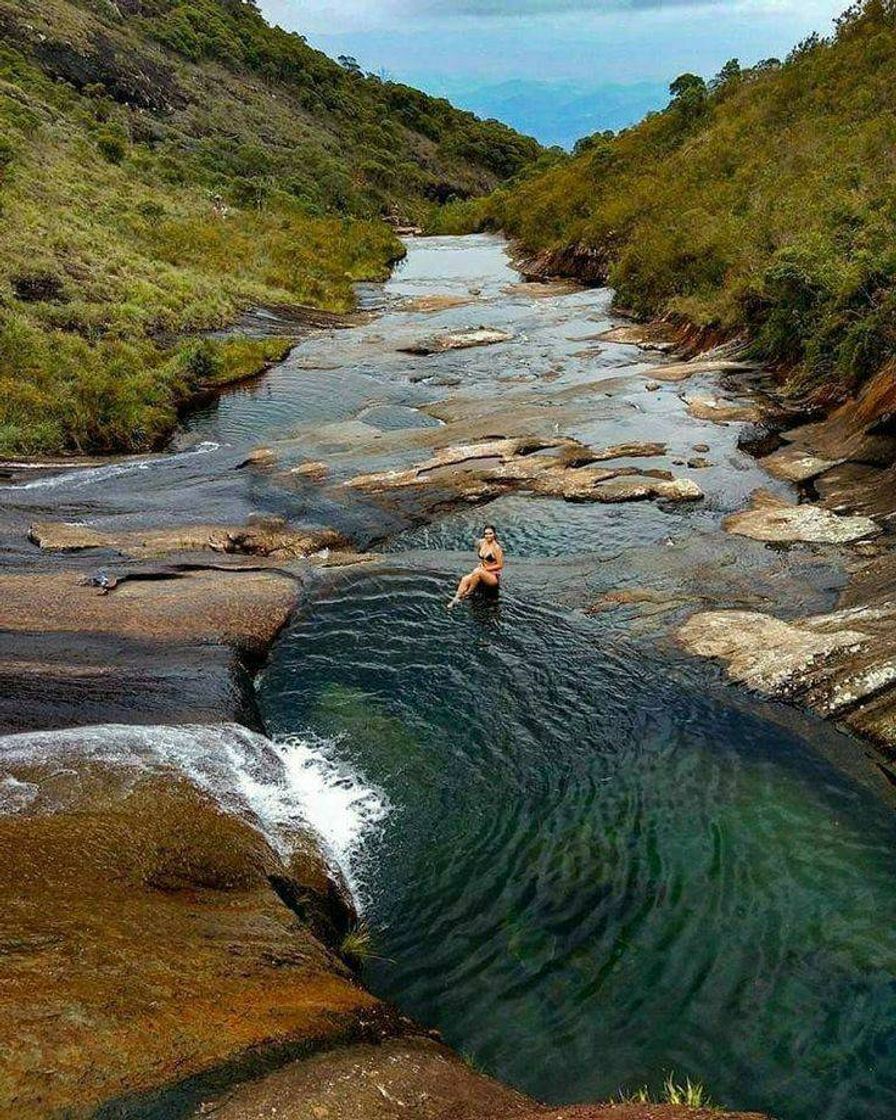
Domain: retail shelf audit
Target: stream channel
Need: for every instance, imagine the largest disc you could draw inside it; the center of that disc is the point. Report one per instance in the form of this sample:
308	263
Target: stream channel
585	858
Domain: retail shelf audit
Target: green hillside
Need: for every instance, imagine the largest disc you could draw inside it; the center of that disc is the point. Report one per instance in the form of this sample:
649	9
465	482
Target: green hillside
762	202
164	163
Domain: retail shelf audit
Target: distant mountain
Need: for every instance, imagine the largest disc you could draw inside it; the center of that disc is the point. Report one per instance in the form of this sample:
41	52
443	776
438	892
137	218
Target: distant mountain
759	203
557	113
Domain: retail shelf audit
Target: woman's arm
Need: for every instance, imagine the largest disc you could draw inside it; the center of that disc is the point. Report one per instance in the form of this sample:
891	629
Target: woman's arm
498	563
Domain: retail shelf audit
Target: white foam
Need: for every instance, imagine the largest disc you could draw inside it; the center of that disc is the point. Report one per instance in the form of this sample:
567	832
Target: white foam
86	476
296	783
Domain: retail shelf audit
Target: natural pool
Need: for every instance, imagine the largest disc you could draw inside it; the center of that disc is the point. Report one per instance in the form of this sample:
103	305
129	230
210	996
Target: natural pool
596	868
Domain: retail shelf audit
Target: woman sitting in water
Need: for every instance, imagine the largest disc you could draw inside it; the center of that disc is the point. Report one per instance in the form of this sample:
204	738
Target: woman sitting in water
488	571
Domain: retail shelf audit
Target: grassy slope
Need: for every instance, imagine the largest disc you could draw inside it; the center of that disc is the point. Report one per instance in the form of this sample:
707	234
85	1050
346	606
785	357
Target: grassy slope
119	126
767	207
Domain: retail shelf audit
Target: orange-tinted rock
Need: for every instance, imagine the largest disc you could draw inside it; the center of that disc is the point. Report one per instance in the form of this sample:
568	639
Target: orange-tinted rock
244	609
143	939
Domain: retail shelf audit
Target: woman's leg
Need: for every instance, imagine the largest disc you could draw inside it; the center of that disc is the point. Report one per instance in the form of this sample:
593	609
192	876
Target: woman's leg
466	586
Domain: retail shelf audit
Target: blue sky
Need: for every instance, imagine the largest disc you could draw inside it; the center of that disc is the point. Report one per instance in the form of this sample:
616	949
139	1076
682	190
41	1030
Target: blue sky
558	68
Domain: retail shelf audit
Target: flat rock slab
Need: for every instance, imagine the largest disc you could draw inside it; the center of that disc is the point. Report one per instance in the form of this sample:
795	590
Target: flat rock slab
842	664
435	303
460	340
71	680
682	371
720	411
858	488
242	609
763	652
646	336
410	1078
264	538
585	486
771	519
794	463
561	468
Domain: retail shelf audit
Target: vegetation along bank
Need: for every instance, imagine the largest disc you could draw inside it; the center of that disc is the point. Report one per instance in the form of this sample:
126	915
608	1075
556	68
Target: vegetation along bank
167	163
759	204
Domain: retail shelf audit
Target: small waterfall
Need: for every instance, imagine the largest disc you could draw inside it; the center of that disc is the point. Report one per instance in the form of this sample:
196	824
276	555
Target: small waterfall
279	786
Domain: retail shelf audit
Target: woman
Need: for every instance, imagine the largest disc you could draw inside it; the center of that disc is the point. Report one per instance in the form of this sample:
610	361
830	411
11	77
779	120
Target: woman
488	572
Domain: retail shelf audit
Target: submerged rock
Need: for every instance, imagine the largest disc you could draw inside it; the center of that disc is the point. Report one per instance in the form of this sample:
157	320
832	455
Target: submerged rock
459	340
772	519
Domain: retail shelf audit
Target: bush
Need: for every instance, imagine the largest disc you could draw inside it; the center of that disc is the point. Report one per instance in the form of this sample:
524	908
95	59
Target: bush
112	145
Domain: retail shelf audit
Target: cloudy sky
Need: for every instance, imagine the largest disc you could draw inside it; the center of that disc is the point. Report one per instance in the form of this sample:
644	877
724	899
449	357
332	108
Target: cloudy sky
528	59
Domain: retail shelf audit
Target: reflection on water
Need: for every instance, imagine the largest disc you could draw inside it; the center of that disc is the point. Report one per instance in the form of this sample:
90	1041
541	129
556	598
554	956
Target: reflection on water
595	870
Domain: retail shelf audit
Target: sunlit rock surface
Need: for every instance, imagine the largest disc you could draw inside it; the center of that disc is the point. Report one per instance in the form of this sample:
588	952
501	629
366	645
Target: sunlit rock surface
163	913
772	519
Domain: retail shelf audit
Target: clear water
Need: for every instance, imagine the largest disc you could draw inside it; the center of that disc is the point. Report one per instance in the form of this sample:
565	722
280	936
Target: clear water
601	863
599	867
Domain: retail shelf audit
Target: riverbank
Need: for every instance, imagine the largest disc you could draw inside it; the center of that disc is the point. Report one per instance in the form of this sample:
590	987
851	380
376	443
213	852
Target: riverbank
324	513
841	664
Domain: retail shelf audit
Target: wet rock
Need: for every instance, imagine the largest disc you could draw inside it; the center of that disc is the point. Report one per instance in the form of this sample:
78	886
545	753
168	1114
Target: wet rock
71	679
260	457
682	371
459	340
652	386
842	664
436	303
414	1078
701	447
720	411
631	489
858	488
794	464
763	652
560	468
862	429
267	537
646	601
578	261
316	470
772	519
698	463
152	943
646	336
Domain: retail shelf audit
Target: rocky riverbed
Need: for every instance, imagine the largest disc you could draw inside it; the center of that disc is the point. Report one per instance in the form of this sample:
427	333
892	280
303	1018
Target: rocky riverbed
188	918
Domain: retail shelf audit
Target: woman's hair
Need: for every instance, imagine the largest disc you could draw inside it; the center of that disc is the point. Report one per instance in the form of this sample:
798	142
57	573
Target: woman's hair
493	529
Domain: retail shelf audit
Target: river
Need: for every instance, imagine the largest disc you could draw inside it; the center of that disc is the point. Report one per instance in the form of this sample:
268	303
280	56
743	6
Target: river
592	862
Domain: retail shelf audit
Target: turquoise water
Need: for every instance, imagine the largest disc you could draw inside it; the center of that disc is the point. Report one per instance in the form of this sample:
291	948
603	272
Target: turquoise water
598	867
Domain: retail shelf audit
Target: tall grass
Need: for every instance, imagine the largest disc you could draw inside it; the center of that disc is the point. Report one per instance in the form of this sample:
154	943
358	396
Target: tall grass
759	203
